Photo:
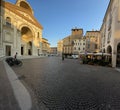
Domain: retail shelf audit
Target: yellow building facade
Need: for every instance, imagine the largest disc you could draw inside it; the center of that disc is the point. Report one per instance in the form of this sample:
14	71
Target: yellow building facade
45	47
92	41
20	31
68	42
59	47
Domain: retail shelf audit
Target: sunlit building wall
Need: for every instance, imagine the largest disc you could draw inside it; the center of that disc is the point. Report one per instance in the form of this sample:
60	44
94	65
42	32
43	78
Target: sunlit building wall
68	42
79	45
45	47
53	50
20	31
59	47
110	32
92	41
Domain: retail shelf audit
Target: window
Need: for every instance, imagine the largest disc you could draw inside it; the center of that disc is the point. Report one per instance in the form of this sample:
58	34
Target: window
96	39
8	21
88	45
95	46
110	21
38	35
109	37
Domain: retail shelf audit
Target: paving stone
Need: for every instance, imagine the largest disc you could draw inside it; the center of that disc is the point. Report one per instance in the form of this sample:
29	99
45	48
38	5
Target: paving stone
69	85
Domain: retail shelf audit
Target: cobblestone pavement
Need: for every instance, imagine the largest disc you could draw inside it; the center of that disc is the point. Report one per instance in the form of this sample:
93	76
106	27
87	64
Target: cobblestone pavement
69	85
7	98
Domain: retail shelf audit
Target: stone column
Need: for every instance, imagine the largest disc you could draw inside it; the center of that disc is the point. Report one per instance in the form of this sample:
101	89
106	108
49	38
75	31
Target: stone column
14	35
18	42
113	60
40	52
34	48
118	10
1	26
25	49
1	36
114	55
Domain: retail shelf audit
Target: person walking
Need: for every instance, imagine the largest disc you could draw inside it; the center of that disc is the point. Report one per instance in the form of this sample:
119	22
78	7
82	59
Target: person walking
62	56
15	56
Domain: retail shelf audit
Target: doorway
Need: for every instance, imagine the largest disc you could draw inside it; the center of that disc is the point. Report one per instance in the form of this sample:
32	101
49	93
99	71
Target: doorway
8	50
118	55
22	49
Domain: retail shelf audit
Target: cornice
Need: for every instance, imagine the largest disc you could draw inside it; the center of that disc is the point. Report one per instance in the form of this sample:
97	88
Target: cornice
106	13
15	9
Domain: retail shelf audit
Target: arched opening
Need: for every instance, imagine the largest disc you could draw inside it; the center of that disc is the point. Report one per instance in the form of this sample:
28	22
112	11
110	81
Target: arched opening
109	49
25	6
27	38
8	50
103	50
8	21
29	48
118	55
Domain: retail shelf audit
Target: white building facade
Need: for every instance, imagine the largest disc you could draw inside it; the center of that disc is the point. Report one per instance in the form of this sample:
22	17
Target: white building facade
110	32
79	45
20	32
92	41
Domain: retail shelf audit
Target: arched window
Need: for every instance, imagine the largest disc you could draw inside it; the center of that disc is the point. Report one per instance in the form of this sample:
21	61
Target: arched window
25	6
118	56
38	35
74	48
8	21
109	37
109	49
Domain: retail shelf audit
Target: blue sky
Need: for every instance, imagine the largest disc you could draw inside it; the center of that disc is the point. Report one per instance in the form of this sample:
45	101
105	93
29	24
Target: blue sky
58	17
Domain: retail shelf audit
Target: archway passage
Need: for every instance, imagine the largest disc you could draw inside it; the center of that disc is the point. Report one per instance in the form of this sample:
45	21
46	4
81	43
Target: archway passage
109	49
118	55
27	38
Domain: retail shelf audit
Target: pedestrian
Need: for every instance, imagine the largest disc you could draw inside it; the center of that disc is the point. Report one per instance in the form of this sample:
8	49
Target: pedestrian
62	56
15	56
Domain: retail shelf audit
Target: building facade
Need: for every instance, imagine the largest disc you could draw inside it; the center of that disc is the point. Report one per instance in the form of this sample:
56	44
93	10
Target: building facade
59	47
79	45
53	50
68	42
45	47
110	32
92	41
20	31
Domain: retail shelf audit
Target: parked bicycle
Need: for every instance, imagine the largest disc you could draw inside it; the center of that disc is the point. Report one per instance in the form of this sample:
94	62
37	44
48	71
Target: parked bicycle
12	61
